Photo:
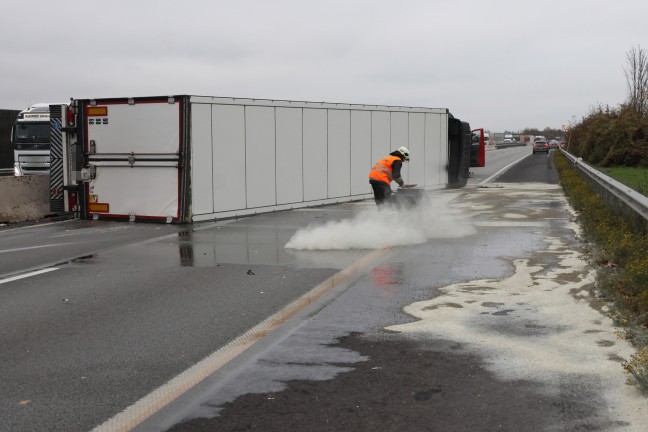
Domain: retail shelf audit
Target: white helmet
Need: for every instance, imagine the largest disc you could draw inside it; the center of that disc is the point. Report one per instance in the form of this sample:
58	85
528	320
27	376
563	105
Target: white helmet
405	152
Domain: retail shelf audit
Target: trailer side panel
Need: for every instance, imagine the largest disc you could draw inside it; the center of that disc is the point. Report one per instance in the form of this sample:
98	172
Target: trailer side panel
193	158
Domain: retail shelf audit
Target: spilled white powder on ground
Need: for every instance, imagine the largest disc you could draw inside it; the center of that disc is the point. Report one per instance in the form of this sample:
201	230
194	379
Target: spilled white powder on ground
375	228
530	326
514	216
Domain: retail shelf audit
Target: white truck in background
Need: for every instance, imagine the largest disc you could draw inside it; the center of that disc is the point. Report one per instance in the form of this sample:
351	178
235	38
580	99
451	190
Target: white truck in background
31	140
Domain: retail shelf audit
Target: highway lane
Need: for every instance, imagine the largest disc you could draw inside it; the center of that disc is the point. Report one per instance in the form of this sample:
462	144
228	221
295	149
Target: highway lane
496	161
42	245
38	246
122	307
535	168
86	341
496	330
94	315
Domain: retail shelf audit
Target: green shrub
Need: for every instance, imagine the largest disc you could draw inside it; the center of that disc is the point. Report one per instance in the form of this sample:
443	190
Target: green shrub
611	137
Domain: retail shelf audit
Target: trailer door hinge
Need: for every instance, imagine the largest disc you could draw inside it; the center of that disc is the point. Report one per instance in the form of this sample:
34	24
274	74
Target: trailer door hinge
89	173
131	159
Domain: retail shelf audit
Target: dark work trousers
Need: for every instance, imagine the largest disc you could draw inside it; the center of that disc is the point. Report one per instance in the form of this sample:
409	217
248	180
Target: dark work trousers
382	192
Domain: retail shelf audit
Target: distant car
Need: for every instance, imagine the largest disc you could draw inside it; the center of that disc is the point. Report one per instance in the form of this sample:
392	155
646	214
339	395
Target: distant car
554	144
540	147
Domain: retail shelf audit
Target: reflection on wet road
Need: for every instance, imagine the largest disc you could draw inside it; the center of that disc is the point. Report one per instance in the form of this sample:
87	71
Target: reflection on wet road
242	242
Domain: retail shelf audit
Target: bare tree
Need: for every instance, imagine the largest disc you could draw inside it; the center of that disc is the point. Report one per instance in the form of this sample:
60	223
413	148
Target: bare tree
636	73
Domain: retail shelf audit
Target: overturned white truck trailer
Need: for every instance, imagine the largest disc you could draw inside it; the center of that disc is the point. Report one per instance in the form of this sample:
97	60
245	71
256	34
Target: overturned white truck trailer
194	158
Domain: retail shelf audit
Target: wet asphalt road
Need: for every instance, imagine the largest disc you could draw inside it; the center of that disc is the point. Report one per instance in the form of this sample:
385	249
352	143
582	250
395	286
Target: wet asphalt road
128	307
142	303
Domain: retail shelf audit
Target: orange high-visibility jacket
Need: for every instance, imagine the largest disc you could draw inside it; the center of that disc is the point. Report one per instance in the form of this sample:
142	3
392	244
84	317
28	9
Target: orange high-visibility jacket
382	171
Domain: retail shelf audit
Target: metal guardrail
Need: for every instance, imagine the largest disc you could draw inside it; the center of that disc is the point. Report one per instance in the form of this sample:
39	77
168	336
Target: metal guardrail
6	171
627	195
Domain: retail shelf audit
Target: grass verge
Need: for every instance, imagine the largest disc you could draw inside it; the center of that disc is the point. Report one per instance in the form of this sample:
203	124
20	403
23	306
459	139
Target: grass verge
635	177
620	251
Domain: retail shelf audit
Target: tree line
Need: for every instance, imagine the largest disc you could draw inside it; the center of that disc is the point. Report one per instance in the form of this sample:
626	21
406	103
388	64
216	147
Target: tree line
549	133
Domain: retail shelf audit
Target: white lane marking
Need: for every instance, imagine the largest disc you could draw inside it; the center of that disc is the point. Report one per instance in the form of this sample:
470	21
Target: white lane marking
167	393
33	247
503	170
26	275
11	230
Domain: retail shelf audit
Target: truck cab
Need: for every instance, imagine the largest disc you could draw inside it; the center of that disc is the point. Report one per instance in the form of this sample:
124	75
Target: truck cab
477	148
31	140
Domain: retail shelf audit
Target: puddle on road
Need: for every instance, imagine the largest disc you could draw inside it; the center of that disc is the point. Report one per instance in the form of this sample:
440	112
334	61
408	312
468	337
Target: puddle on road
326	238
242	245
260	241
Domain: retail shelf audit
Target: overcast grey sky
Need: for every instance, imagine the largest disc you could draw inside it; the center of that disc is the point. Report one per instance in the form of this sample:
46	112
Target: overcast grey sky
498	64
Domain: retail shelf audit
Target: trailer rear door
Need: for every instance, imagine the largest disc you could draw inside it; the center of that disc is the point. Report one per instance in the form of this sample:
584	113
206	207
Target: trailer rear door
135	158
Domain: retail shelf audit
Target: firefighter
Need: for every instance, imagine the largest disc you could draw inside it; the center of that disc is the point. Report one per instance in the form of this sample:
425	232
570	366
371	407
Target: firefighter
385	171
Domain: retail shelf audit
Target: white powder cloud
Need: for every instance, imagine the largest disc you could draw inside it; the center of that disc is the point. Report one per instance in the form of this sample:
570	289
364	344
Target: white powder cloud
376	228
